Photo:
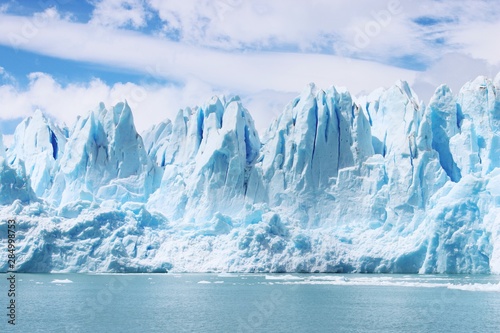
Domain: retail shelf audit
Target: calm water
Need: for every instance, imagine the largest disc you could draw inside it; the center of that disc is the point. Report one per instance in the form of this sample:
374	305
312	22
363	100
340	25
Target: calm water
253	303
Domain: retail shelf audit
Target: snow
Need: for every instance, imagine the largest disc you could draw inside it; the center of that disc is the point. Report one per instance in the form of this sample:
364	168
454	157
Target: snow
378	183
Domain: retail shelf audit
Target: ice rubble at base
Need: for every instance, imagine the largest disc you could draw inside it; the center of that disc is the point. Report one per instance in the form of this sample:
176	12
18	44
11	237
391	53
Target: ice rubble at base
380	183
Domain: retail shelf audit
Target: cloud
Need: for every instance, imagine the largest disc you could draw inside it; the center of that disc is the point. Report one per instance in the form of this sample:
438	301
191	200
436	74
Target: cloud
266	105
312	26
4	7
402	33
477	40
119	13
153	102
265	51
408	34
453	69
154	57
150	103
6	77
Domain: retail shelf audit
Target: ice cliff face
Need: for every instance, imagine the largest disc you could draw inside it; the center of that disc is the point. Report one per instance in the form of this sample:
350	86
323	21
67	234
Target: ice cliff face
38	145
209	153
380	183
14	183
105	159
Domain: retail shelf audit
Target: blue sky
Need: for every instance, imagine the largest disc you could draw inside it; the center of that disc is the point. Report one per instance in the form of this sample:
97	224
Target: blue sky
65	56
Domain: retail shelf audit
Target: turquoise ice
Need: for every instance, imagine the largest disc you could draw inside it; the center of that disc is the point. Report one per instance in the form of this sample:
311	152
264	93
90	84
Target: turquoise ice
338	183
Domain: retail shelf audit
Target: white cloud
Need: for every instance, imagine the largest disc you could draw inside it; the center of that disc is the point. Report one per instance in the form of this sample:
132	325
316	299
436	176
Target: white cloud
220	50
366	29
478	41
308	25
373	30
266	105
150	103
453	69
119	13
240	72
4	7
6	76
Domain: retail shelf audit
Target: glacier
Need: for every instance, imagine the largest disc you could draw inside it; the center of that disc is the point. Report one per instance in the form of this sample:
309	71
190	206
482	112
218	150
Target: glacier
381	183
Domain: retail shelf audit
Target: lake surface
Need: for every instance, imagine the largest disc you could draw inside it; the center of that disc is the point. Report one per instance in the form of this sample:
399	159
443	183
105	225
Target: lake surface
253	303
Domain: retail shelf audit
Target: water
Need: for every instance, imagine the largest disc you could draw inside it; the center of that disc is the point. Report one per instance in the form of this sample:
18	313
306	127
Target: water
253	303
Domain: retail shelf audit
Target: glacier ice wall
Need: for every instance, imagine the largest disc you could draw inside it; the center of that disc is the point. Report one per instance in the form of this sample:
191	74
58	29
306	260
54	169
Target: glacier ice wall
38	144
378	183
105	159
210	154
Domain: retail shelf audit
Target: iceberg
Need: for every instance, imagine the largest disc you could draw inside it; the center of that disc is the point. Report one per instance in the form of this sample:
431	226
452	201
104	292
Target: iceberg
381	183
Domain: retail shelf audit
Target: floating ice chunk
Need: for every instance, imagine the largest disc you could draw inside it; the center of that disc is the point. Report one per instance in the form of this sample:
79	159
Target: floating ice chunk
63	281
283	277
487	287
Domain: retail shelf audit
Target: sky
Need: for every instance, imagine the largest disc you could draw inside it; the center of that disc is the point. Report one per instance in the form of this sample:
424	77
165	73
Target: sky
66	56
